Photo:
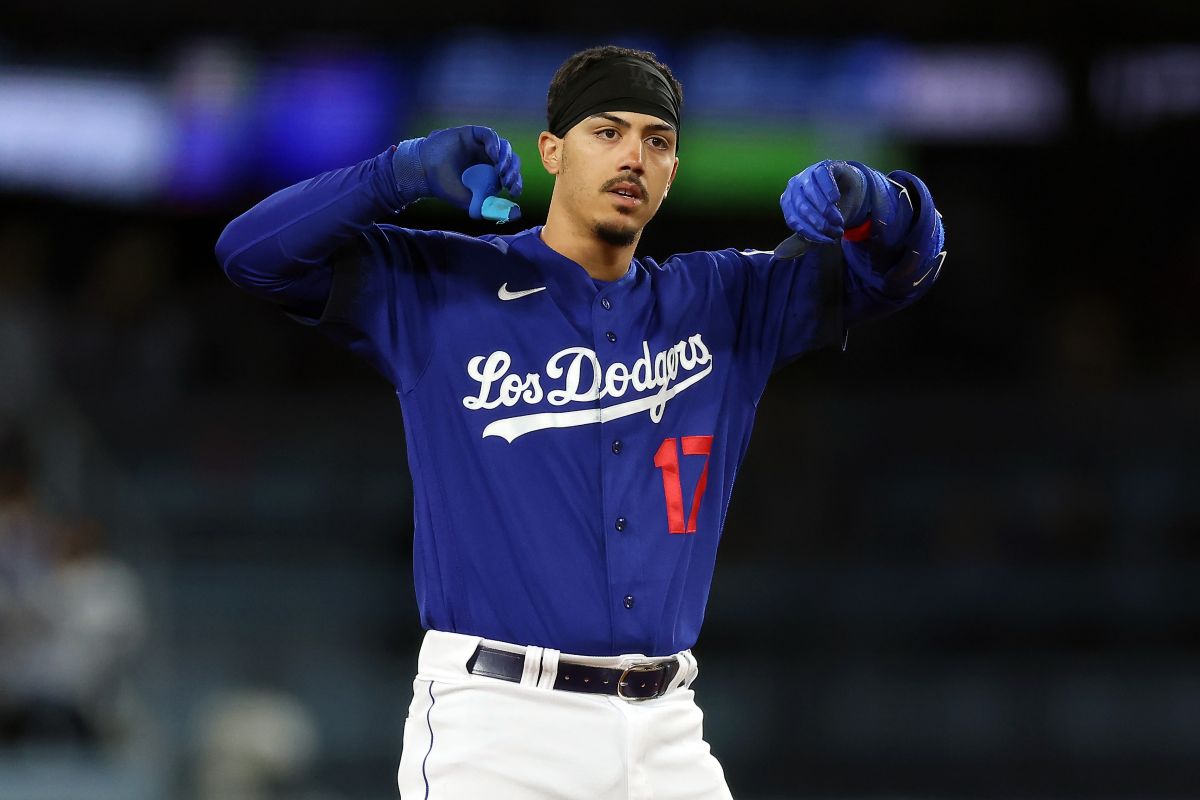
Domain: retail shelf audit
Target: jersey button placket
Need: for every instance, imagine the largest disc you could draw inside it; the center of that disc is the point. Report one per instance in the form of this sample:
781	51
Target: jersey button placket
620	523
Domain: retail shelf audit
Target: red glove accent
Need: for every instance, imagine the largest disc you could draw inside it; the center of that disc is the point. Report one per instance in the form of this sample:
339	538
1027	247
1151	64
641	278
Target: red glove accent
859	233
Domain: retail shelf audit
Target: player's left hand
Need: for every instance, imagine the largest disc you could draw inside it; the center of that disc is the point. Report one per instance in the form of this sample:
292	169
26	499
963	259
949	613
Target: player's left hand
831	197
809	204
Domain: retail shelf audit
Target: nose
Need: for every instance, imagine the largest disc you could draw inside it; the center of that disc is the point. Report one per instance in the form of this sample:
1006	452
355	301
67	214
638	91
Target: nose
631	157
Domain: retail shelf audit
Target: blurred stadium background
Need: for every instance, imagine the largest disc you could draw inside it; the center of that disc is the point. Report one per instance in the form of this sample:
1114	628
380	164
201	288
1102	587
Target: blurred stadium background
962	560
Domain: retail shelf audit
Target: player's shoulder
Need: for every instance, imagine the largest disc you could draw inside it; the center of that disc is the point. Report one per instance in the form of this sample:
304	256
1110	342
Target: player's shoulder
448	246
710	260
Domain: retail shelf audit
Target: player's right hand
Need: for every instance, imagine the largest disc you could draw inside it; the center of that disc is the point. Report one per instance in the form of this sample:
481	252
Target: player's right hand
432	166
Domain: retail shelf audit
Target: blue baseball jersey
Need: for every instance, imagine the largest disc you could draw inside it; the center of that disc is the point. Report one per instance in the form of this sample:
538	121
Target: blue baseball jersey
573	443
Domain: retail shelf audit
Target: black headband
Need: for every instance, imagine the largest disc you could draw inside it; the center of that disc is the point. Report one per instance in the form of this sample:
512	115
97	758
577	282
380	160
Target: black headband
623	83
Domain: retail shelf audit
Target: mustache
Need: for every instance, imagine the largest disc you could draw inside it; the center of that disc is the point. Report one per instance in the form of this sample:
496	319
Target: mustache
634	179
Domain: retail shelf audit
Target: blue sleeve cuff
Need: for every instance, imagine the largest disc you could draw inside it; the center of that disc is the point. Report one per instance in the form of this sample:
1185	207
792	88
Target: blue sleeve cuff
409	173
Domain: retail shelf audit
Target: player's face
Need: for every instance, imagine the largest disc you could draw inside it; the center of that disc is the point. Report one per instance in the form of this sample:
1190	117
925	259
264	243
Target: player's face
614	170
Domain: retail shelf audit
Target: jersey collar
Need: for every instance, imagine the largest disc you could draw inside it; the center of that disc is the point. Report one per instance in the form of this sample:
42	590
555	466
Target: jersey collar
560	269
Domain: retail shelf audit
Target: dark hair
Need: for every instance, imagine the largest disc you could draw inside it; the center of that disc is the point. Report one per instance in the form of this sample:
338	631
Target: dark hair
586	58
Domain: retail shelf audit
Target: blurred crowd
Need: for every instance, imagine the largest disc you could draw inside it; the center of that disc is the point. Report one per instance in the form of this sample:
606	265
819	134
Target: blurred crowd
73	617
97	347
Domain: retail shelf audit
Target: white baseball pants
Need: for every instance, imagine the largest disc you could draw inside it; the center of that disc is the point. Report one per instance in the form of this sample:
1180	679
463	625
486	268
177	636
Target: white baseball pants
470	737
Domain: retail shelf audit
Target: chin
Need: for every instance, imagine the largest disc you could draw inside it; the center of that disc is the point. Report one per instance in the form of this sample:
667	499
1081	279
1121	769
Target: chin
617	234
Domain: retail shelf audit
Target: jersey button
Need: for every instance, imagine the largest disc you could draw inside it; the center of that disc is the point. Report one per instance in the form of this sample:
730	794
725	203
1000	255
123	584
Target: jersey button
621	523
617	446
612	337
629	601
604	302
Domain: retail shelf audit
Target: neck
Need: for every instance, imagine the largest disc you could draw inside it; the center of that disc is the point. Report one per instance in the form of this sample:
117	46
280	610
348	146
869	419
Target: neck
568	236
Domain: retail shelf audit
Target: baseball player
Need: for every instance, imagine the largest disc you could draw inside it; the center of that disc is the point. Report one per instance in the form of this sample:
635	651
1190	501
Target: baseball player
575	415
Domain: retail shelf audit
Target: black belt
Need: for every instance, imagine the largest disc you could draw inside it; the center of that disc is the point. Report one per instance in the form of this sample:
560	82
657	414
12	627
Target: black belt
641	681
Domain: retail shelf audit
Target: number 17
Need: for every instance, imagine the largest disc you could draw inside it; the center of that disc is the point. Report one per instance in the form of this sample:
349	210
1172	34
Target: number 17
667	459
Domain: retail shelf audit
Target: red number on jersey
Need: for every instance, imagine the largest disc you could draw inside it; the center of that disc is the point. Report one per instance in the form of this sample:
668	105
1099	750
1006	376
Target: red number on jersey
667	459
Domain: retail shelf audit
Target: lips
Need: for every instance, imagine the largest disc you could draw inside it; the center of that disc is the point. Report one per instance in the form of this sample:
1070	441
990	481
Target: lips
627	194
626	188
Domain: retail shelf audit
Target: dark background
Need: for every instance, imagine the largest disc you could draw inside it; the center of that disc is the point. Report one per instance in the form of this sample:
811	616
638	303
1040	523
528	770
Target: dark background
962	557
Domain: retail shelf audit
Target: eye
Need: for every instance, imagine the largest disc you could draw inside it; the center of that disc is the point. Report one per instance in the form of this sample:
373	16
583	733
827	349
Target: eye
603	131
659	142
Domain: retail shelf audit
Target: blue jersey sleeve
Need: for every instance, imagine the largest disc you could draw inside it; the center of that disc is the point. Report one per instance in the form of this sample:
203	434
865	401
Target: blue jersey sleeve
781	308
385	291
315	250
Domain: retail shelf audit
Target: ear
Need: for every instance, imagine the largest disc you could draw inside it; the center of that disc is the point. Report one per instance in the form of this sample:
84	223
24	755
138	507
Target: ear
550	147
670	180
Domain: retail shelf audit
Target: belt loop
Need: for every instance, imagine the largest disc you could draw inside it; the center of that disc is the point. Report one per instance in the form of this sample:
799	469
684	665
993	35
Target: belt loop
689	670
533	666
549	668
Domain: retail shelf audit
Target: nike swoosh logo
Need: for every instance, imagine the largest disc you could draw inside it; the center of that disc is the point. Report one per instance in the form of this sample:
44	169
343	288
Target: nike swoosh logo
941	259
505	294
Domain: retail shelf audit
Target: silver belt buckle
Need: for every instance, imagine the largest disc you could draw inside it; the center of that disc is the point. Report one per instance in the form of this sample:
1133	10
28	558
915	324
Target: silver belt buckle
646	666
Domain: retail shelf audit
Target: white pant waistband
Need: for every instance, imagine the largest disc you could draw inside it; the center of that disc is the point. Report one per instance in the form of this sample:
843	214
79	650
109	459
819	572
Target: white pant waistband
444	657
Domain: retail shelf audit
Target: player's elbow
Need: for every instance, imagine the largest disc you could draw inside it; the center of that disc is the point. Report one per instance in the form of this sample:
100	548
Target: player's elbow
232	252
226	248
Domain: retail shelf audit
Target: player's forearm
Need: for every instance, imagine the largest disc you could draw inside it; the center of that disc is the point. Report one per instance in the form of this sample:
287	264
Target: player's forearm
280	249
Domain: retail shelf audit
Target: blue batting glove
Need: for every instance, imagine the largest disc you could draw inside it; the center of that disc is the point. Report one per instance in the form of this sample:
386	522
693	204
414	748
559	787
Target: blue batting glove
433	165
830	198
810	202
